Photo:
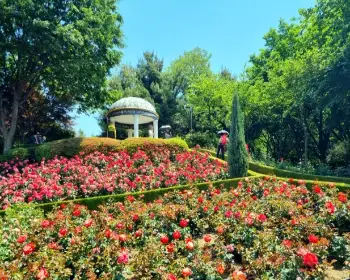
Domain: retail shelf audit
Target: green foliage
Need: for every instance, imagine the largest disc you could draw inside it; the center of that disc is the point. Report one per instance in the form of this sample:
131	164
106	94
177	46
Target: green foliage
237	153
340	249
63	47
211	96
20	153
339	154
203	139
297	88
263	169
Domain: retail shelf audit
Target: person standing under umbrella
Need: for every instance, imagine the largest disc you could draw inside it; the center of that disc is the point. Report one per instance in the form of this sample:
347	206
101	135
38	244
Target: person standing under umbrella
222	144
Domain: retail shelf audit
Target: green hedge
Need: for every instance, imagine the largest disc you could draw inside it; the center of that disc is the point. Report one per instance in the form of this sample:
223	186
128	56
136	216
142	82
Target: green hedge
256	168
21	153
150	195
296	175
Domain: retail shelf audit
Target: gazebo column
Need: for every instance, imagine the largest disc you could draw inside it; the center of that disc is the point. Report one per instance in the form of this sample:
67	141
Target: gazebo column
155	127
129	133
136	125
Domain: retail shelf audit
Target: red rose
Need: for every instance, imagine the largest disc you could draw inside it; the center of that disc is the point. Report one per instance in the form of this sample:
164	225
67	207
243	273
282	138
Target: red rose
317	189
53	246
207	238
330	207
200	199
183	223
262	218
135	218
164	239
177	234
22	239
45	223
123	258
238	275
220	268
170	248
220	230
287	243
62	232
108	233
42	274
76	212
228	214
29	248
138	233
189	245
171	277
186	272
130	198
238	215
119	226
310	260
342	197
122	237
313	238
88	223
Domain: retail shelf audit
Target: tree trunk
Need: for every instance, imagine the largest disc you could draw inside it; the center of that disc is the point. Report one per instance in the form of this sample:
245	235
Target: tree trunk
9	133
306	136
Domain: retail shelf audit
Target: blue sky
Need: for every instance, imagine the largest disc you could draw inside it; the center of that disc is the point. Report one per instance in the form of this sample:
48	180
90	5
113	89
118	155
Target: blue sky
231	30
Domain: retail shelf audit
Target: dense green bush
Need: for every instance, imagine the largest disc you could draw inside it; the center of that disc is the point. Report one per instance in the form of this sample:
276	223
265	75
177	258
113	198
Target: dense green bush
339	154
203	139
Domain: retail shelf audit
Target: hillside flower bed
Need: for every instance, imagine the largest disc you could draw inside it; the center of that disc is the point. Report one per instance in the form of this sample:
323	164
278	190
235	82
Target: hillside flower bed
263	229
100	174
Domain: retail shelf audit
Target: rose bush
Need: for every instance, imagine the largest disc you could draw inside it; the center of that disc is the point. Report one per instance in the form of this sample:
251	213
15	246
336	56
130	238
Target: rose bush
263	229
100	174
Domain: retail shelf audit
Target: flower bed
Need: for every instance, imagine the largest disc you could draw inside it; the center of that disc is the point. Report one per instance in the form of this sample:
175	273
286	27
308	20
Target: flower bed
263	228
101	174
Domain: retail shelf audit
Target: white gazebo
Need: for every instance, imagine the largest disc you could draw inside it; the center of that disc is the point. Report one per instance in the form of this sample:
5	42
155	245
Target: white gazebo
134	111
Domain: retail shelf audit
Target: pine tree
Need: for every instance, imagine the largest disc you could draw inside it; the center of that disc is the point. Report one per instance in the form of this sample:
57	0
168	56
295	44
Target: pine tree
237	153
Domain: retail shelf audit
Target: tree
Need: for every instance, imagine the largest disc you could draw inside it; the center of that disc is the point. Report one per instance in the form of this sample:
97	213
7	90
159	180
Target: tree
184	70
63	48
209	96
44	114
297	87
237	153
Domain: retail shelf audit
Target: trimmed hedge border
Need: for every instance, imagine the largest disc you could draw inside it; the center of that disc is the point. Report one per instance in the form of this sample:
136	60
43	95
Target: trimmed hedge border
255	168
149	195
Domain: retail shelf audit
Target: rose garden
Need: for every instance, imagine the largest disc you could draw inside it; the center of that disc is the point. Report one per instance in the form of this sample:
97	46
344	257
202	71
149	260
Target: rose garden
127	156
206	227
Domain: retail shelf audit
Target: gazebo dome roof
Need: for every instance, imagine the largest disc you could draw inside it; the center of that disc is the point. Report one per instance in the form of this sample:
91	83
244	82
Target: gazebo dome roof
134	103
124	111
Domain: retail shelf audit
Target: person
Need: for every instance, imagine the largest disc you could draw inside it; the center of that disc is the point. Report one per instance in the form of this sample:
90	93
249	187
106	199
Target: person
222	145
167	133
35	139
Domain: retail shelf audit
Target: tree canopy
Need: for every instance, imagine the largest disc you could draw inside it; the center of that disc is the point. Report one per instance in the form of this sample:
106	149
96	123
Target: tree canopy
62	48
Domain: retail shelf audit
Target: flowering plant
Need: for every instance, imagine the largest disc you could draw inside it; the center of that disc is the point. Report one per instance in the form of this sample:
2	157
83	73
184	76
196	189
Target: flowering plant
261	229
100	174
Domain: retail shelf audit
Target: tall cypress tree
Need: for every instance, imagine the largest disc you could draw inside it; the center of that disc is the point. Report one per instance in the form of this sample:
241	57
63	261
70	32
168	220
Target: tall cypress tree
237	153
